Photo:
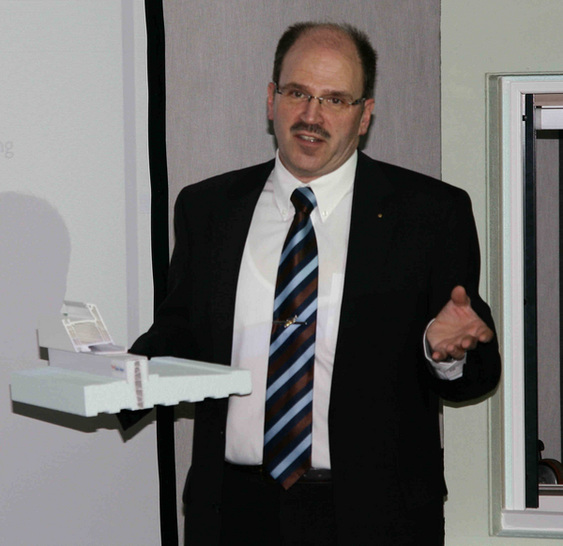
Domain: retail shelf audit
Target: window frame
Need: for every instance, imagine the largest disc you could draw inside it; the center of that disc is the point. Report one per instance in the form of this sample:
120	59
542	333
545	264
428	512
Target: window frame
505	98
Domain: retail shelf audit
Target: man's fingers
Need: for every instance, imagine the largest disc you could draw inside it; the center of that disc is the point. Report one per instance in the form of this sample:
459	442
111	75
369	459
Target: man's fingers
486	336
459	296
455	349
456	352
438	356
457	328
468	343
450	352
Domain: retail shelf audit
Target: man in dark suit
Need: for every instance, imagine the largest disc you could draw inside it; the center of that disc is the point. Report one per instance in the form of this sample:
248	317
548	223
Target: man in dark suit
399	322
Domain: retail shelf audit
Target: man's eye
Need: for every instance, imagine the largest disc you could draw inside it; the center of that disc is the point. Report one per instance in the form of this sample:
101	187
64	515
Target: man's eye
295	94
337	101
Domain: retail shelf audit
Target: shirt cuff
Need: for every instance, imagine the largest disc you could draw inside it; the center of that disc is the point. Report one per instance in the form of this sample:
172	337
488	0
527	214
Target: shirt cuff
448	369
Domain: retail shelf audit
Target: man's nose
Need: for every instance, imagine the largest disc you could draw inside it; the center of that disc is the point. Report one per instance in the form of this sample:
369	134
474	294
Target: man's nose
312	111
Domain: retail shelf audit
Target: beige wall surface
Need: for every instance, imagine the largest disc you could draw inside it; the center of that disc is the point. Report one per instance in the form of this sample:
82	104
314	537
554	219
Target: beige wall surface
480	37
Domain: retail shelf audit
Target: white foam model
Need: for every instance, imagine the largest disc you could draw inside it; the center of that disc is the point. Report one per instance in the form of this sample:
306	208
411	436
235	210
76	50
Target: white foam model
88	375
169	381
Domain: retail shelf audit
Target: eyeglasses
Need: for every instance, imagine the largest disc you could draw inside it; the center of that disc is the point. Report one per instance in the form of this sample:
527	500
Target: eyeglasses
333	103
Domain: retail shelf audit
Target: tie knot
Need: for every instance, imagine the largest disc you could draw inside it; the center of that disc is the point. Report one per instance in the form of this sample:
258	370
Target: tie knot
304	200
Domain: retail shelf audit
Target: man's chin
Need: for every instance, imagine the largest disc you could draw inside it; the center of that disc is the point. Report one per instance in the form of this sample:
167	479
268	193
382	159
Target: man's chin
305	168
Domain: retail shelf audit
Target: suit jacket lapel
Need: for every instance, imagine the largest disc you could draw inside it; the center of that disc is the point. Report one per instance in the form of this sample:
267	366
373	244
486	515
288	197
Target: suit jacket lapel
371	232
231	225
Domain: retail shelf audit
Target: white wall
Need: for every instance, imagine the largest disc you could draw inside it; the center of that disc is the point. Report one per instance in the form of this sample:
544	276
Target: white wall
73	224
479	37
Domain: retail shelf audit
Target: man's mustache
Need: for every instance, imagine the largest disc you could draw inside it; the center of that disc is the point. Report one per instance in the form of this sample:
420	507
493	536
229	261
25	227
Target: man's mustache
310	128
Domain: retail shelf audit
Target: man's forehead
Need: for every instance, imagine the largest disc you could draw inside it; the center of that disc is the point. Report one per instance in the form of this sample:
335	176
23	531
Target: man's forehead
328	37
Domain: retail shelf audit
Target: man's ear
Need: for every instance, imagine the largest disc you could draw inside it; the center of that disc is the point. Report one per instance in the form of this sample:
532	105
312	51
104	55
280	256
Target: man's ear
271	95
366	116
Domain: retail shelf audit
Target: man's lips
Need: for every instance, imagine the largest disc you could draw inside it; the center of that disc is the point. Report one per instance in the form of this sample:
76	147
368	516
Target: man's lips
308	138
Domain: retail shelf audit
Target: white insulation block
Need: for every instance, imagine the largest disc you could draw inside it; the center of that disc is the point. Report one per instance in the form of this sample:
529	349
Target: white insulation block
72	392
173	380
170	381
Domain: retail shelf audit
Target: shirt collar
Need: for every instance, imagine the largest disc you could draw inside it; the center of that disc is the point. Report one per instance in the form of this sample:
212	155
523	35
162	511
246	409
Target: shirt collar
329	189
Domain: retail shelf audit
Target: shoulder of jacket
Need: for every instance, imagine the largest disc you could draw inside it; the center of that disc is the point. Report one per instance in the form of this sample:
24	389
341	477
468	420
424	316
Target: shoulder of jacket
223	181
410	182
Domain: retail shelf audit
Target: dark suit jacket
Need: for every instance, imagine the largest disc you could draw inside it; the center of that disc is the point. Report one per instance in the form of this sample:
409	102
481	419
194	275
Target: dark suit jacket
412	239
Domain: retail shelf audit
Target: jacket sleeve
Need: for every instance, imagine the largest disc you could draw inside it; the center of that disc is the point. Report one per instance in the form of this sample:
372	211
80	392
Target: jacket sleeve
456	262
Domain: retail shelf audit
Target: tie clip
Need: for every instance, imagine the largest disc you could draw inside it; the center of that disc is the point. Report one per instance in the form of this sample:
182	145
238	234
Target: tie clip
290	321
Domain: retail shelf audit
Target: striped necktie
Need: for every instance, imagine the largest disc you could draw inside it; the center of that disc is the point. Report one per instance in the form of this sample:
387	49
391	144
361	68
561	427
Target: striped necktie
289	393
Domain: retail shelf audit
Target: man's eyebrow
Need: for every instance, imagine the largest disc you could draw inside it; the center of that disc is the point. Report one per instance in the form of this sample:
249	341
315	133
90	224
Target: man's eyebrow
295	85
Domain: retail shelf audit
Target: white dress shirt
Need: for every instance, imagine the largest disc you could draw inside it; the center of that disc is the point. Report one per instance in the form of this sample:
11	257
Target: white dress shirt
255	296
254	304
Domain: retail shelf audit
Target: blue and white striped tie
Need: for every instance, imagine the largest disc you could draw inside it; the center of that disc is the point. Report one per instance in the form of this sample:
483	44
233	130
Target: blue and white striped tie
289	394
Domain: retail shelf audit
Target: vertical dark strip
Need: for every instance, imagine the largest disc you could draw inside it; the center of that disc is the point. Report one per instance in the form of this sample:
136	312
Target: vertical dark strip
530	309
160	253
157	147
560	137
